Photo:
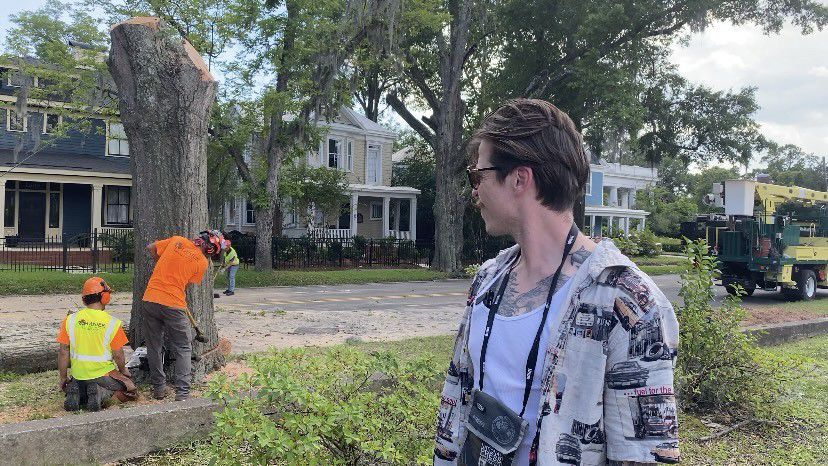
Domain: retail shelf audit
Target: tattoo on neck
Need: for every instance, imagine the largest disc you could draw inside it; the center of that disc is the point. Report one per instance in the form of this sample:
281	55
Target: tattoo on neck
579	257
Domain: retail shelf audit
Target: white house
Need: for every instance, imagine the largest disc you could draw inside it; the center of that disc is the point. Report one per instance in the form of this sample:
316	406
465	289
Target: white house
362	149
610	196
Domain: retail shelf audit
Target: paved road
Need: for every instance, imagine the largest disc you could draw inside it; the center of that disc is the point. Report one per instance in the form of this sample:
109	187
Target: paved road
257	318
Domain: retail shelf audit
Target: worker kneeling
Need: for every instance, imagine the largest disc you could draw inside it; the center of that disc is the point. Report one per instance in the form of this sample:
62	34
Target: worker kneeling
93	342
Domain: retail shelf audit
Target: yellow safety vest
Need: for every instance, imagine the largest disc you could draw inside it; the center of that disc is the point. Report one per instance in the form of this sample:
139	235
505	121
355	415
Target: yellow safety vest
90	333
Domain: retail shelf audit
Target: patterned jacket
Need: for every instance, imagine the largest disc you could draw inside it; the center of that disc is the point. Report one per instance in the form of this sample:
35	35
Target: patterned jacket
607	381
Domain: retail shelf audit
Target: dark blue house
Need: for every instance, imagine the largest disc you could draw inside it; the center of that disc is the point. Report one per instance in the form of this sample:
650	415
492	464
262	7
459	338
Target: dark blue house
59	187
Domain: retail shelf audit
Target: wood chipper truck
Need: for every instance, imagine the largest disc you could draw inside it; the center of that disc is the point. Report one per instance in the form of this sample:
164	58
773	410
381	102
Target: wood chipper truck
770	237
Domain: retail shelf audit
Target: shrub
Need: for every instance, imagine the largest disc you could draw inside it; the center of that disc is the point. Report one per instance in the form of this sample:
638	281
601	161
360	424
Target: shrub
671	244
647	243
340	407
471	270
627	246
720	369
122	245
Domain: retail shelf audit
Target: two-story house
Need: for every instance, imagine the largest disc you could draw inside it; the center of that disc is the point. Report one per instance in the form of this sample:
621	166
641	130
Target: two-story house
53	189
362	149
610	197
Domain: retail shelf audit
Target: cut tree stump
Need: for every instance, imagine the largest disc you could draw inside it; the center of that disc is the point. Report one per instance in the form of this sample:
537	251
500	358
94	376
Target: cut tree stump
165	92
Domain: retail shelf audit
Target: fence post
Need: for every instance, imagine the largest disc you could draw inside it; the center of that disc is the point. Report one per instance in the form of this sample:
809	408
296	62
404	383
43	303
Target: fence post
65	255
94	250
341	247
125	246
370	252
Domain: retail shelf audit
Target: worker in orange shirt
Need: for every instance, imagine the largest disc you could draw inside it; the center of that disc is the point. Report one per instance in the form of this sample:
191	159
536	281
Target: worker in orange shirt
178	262
93	342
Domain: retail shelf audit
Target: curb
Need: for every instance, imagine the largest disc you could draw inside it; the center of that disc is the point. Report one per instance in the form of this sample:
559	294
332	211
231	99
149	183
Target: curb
769	335
106	436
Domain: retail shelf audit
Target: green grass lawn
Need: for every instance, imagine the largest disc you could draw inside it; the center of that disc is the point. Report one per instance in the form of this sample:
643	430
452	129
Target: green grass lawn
797	436
49	282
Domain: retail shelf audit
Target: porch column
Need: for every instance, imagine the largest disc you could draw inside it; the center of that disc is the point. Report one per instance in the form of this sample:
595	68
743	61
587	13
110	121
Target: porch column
610	227
625	198
97	205
642	223
354	199
386	212
2	207
397	212
412	218
591	231
613	197
626	226
631	201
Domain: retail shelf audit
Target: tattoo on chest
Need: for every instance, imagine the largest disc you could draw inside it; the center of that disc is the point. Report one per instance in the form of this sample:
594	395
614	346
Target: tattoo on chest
515	304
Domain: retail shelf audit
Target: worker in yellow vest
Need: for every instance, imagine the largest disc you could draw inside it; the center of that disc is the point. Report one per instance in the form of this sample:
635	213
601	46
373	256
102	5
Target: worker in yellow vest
230	263
92	341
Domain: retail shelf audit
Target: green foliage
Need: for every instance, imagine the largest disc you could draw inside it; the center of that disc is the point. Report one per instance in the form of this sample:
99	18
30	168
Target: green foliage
122	245
670	244
341	407
667	211
471	270
789	165
719	368
324	187
638	243
417	171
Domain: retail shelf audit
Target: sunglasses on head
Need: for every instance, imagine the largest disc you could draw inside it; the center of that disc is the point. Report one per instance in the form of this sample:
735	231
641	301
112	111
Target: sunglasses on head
475	177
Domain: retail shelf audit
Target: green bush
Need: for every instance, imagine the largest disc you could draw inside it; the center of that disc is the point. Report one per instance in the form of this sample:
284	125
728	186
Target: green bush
471	270
720	369
671	244
340	407
627	246
648	245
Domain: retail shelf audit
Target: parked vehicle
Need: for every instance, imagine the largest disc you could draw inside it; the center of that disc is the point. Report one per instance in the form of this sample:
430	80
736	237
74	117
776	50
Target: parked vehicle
666	452
772	237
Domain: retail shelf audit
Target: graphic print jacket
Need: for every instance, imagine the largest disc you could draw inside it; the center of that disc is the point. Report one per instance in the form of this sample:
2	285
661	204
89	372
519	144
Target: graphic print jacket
607	381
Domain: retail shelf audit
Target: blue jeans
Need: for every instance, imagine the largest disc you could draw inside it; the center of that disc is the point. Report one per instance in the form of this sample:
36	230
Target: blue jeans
231	277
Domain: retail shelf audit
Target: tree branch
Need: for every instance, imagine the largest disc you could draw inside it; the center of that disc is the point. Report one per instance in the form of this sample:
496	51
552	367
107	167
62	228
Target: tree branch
418	77
394	101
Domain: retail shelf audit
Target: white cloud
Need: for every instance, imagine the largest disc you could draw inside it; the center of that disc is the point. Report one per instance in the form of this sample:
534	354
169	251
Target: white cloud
786	68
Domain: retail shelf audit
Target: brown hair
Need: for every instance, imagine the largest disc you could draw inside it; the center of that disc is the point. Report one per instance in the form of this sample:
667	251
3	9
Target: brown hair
535	133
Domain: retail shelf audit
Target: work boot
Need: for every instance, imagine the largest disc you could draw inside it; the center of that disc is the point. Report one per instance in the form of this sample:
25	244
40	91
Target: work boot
93	399
226	291
229	293
159	393
181	396
72	402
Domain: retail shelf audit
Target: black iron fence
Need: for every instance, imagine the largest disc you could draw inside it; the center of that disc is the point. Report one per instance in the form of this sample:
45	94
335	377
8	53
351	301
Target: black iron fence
110	251
305	252
113	251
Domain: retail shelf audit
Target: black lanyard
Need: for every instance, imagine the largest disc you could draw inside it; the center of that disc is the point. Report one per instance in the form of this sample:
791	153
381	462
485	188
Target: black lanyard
533	353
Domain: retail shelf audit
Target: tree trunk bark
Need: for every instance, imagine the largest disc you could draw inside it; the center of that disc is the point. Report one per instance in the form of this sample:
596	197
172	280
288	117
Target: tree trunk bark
165	93
448	151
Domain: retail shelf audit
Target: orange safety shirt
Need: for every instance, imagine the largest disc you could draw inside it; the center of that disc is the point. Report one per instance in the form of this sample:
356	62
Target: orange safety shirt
180	262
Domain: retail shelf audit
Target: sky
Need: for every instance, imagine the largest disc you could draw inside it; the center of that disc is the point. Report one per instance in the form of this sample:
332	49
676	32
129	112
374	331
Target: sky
789	70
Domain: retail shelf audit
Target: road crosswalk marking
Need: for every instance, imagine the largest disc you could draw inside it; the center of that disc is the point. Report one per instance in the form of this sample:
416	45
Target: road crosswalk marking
365	298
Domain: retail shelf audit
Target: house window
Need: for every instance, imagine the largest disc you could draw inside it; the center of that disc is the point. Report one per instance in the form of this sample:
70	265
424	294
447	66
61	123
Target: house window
249	213
117	143
15	78
54	209
376	211
349	156
9	213
373	164
15	122
232	213
334	150
117	205
50	122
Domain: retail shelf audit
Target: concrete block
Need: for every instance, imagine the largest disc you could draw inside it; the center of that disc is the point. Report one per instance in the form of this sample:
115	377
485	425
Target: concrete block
769	335
106	436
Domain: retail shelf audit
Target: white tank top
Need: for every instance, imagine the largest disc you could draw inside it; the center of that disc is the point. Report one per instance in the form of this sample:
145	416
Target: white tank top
509	345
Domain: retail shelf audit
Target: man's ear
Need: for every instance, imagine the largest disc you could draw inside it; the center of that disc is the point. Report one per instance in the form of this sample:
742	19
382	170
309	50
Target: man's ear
523	177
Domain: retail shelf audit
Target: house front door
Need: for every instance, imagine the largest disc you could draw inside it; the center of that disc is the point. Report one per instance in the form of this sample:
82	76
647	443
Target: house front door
32	220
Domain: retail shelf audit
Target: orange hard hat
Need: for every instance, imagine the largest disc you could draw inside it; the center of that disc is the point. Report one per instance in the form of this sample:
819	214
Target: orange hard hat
95	285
